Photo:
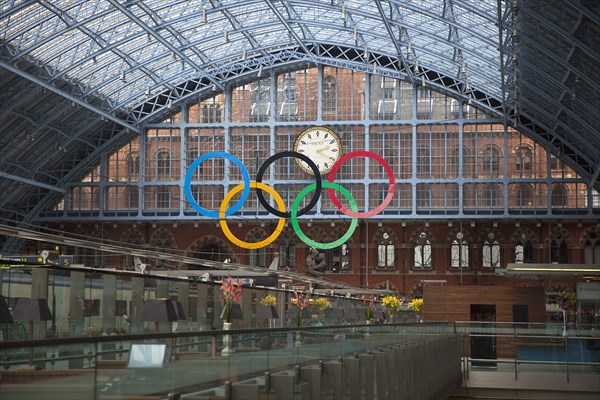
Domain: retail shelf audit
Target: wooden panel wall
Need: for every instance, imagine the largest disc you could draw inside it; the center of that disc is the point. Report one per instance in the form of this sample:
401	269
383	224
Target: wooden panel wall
453	303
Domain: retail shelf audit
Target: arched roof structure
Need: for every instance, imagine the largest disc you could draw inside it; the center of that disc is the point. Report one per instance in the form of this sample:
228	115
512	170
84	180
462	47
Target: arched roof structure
79	76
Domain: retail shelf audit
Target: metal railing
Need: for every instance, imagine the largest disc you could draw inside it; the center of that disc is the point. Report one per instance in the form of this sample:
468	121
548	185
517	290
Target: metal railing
101	367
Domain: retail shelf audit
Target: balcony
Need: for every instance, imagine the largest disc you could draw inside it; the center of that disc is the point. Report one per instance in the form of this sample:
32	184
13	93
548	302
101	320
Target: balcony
382	361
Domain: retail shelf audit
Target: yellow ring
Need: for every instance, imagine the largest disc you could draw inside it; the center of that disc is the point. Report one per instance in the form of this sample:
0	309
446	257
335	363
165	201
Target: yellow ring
241	243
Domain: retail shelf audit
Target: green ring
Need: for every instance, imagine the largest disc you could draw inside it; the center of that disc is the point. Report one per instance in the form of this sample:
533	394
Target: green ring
303	237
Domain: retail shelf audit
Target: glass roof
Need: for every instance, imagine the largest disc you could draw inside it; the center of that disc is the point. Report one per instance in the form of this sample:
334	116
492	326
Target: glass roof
155	43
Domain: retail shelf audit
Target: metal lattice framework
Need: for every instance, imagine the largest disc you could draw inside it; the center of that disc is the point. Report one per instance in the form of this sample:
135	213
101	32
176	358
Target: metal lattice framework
79	76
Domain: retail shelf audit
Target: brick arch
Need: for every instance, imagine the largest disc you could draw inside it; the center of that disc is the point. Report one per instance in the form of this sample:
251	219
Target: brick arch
585	235
378	235
164	238
497	235
516	235
414	235
467	238
317	234
255	234
337	232
416	290
287	237
559	233
203	243
132	236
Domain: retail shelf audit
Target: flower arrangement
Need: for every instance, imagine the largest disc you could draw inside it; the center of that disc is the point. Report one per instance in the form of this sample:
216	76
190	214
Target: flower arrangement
268	300
392	304
566	300
416	305
370	307
302	301
231	294
321	304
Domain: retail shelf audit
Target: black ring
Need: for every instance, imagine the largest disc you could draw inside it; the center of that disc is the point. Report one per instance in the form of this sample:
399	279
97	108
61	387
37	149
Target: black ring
275	157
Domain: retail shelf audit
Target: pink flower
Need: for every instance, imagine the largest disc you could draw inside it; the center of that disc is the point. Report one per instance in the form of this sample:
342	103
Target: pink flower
369	309
231	294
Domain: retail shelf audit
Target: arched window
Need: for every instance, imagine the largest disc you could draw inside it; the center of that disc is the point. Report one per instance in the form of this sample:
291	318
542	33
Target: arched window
491	158
95	200
423	195
134	239
196	194
524	164
559	195
491	252
453	167
386	252
459	252
591	248
558	249
340	259
422	252
133	164
131	197
211	113
163	197
524	195
209	247
287	250
163	163
523	250
163	241
492	195
205	114
257	257
329	95
424	162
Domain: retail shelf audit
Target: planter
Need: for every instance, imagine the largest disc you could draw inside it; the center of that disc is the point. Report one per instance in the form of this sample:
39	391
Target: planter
227	341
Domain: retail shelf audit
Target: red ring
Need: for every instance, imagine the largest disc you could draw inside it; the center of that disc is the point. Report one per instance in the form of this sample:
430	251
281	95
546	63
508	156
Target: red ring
388	197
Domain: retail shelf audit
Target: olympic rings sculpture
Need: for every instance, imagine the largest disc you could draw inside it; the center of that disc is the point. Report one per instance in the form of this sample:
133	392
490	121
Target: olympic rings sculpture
281	212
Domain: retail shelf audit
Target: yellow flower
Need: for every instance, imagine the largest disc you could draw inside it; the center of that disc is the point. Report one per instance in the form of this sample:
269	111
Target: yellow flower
321	303
268	300
392	303
416	305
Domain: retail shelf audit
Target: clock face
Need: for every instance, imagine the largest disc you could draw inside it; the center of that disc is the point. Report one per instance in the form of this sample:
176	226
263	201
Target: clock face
321	145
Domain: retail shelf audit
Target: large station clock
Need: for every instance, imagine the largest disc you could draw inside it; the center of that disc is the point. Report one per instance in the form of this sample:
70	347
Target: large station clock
321	145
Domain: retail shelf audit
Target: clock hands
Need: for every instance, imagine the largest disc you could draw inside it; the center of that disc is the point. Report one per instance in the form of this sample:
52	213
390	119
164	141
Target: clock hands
322	149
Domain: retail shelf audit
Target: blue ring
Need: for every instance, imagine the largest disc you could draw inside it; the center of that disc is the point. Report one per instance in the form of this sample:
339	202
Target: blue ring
188	180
